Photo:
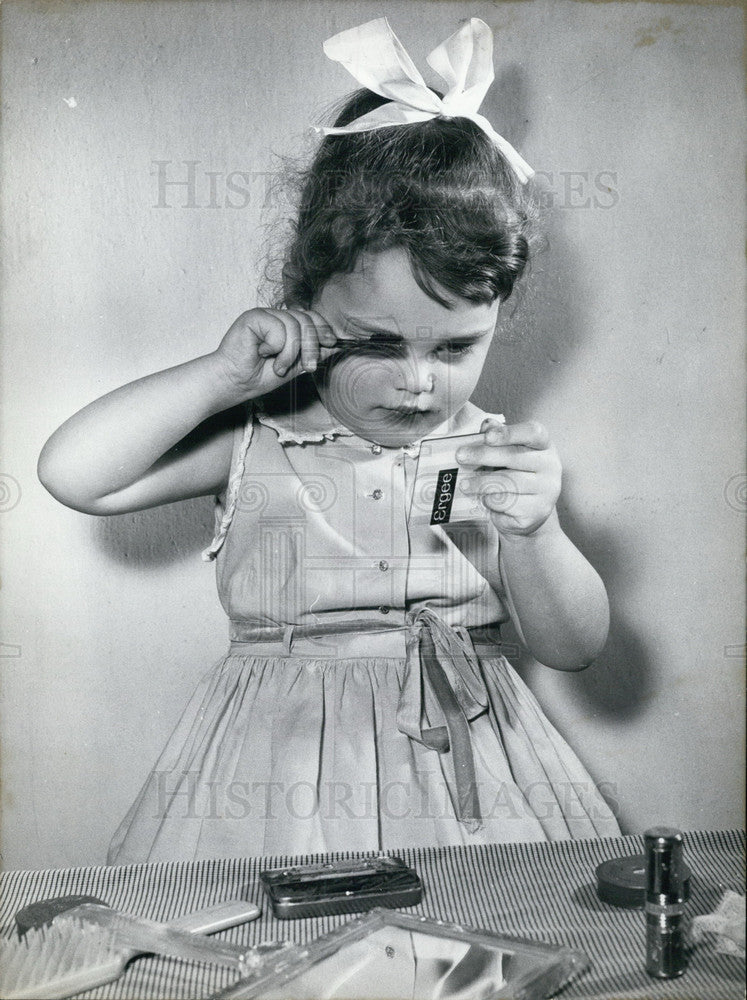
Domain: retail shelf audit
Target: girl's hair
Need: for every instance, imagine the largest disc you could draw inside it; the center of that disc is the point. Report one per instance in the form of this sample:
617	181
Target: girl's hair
440	189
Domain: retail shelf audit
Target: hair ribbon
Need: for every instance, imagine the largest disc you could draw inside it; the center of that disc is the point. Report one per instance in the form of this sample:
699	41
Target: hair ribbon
374	55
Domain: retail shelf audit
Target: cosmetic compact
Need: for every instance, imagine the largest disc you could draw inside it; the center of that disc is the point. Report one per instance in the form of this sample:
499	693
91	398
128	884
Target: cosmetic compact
388	955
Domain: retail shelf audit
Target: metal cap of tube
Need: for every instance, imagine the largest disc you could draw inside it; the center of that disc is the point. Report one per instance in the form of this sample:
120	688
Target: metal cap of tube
665	867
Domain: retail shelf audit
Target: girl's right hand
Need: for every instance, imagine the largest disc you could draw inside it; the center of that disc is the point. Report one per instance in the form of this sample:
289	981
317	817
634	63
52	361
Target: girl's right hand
168	436
265	347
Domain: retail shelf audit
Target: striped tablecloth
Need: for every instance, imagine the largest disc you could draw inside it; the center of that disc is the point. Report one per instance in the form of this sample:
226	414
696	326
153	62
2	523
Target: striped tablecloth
545	892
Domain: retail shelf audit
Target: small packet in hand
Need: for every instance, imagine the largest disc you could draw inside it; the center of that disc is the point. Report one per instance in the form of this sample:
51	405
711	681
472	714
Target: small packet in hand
436	497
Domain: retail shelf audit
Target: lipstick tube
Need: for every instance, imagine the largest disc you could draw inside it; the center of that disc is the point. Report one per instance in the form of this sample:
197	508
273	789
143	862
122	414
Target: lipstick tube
665	902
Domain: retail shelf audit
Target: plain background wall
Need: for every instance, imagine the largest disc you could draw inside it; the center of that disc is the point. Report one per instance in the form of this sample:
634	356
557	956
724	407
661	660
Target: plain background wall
626	342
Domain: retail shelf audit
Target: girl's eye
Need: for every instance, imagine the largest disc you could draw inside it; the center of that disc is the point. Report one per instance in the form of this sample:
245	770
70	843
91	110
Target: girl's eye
383	348
455	350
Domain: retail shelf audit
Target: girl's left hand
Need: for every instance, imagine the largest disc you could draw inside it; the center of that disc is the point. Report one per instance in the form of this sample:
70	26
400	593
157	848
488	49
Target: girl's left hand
516	472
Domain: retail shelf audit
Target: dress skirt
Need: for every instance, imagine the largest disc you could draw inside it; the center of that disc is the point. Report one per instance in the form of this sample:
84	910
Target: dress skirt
302	752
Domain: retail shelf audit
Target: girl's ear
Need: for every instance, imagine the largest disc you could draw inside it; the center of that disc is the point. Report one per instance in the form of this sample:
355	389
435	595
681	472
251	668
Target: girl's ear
290	296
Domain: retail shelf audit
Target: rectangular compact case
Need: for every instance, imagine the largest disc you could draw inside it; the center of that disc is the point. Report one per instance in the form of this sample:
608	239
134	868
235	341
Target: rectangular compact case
341	887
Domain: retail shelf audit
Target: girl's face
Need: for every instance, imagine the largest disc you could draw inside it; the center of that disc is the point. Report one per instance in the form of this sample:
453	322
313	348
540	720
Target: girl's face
412	362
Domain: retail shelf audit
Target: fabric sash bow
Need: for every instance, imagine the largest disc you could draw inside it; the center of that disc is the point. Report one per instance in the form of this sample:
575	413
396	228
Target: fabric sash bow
374	55
443	691
442	688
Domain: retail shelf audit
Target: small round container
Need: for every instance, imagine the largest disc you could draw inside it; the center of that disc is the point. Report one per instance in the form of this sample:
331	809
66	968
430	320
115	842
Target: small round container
622	881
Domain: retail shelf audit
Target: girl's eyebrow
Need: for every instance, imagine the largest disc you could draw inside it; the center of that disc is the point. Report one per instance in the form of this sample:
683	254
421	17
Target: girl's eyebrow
363	326
373	329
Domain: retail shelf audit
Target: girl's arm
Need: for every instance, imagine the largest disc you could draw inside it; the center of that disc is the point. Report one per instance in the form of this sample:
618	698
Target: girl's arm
556	599
168	436
164	437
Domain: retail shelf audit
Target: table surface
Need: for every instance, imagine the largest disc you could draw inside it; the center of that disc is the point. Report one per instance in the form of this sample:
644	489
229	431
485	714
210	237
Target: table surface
544	892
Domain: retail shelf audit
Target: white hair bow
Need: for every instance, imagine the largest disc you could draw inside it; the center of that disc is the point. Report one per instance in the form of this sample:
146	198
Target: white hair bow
374	55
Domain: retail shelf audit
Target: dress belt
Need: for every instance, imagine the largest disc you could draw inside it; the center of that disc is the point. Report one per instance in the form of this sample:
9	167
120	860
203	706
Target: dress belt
442	692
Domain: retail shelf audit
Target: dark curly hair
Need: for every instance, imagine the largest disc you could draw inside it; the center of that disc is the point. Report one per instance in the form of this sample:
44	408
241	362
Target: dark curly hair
440	189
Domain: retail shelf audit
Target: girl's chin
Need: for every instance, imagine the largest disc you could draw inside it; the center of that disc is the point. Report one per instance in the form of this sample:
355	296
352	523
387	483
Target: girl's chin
390	427
399	429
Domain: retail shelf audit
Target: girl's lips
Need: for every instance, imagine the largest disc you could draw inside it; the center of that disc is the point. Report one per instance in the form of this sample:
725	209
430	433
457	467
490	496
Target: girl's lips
410	411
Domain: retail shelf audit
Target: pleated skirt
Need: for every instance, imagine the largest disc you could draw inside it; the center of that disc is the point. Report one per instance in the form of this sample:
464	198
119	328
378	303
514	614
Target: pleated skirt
294	753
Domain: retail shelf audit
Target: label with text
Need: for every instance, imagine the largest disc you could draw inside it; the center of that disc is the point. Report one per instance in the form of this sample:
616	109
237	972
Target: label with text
444	498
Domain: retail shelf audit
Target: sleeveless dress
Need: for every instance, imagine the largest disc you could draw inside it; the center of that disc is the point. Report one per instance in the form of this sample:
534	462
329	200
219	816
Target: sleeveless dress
364	702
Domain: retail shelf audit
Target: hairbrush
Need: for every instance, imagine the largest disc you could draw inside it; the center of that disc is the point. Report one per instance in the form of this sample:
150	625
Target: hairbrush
91	944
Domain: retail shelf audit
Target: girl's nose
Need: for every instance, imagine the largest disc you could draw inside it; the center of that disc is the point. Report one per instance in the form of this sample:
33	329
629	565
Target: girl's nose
419	377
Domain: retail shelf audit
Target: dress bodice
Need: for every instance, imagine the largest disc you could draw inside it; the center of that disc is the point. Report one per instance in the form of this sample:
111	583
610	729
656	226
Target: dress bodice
313	528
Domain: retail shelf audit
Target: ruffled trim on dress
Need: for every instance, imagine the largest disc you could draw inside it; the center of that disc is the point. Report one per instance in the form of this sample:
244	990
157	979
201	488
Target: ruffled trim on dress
225	511
297	415
288	436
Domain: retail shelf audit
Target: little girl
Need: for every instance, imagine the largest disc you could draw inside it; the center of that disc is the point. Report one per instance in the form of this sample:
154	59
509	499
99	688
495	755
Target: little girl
364	702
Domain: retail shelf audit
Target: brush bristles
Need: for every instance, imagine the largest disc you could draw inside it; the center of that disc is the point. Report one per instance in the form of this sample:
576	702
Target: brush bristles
58	961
